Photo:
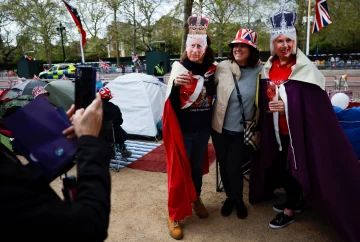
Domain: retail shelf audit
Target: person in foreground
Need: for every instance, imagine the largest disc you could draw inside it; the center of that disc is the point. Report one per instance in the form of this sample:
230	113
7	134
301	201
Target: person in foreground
303	147
244	66
186	125
31	210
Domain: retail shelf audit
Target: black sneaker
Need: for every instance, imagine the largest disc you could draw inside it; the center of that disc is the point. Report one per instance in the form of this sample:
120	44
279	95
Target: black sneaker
227	207
281	207
281	220
241	210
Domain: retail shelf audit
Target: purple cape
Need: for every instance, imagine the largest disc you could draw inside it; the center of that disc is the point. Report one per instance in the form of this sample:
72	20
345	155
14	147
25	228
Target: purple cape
327	166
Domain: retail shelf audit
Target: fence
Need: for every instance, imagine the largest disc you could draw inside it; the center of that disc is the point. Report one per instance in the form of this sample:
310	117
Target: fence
350	87
339	66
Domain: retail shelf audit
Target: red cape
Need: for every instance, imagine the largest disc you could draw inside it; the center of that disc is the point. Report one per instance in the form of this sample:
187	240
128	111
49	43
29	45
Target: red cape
181	190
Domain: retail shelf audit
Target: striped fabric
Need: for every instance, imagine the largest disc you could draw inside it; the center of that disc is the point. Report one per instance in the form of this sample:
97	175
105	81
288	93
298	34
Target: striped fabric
138	150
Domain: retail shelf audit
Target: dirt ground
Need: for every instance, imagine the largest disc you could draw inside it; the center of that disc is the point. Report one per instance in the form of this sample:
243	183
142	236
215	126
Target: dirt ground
139	213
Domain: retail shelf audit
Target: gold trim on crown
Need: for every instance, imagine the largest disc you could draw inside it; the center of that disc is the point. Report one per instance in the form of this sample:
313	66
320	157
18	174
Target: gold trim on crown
198	24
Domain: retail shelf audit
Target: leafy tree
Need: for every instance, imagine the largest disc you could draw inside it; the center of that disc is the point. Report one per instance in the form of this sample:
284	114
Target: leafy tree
114	5
188	4
39	17
93	13
169	29
221	13
147	9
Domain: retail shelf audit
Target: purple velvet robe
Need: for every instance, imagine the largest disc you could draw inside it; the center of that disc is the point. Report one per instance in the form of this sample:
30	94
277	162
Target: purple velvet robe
327	166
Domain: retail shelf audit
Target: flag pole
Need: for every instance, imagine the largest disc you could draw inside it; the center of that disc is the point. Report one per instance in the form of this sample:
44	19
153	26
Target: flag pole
308	29
82	50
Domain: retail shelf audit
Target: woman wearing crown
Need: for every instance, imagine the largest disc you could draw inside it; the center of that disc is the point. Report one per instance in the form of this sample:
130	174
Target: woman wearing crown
186	125
303	147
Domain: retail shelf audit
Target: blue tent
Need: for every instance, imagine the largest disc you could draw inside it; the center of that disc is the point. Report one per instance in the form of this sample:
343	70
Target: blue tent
350	122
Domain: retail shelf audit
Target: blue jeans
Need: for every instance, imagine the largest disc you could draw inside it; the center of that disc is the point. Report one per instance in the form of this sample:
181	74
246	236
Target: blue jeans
196	148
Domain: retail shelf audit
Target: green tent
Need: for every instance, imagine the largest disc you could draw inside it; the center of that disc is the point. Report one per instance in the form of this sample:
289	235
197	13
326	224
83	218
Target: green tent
62	93
14	104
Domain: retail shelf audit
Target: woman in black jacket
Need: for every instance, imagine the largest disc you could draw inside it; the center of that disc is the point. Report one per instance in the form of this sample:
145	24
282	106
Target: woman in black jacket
31	210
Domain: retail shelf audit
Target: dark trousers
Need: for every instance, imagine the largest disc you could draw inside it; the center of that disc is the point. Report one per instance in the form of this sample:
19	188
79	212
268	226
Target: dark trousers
279	177
196	148
231	155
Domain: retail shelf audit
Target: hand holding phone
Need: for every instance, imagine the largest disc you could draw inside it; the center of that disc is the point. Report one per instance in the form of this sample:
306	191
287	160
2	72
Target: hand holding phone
85	86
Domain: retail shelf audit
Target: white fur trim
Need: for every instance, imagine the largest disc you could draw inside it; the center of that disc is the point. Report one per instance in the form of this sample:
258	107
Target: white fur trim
276	121
304	71
290	35
177	69
196	92
283	95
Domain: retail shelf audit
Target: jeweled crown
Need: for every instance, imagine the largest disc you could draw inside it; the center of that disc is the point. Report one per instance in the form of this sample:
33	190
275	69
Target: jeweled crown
198	24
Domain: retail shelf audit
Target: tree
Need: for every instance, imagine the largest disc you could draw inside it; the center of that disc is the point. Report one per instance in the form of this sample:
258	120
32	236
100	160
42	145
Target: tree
188	4
169	29
93	14
343	32
6	49
147	8
131	14
220	13
114	5
39	17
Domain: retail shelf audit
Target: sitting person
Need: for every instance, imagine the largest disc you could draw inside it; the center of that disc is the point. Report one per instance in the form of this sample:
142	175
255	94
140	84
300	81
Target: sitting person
113	114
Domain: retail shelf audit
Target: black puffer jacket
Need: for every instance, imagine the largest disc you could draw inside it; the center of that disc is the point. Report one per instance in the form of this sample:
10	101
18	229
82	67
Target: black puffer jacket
31	210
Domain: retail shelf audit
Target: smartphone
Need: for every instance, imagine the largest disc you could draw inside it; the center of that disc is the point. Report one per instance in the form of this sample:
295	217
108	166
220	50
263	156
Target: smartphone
85	86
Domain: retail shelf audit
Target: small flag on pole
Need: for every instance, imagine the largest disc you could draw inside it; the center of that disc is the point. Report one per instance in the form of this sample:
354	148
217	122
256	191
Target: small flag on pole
76	17
322	17
135	58
35	77
104	65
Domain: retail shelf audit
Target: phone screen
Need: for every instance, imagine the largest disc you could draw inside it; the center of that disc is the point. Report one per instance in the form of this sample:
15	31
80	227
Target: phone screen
85	86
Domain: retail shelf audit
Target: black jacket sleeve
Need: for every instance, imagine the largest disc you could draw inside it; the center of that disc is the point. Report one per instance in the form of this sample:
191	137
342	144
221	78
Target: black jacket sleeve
32	210
175	98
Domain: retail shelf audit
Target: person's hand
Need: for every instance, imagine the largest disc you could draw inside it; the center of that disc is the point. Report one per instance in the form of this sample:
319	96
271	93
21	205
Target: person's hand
70	132
182	79
276	106
88	121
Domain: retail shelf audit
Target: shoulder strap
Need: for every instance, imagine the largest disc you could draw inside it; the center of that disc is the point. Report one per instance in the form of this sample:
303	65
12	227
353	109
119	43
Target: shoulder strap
257	91
240	101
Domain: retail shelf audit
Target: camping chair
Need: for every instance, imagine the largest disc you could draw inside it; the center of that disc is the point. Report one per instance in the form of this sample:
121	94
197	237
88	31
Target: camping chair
245	169
119	161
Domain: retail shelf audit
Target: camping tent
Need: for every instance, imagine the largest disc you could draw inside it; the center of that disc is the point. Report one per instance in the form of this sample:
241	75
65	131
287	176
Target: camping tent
61	93
141	100
350	122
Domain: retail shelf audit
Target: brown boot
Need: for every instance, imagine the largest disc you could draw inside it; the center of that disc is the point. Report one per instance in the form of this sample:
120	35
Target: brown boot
200	209
175	229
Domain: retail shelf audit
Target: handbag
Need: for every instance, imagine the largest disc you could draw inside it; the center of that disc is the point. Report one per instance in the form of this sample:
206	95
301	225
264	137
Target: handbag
251	130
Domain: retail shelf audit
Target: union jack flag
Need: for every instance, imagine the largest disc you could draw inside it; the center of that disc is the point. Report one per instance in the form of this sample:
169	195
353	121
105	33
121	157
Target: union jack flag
135	58
322	17
104	65
35	77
